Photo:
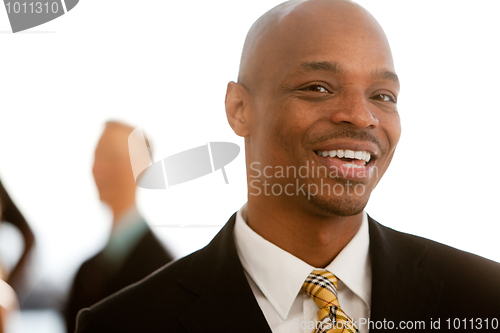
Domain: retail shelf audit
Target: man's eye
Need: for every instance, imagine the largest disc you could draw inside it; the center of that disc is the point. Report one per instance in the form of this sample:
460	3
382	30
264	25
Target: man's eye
316	88
384	98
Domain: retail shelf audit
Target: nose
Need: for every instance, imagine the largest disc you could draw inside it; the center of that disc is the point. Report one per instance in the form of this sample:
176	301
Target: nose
353	108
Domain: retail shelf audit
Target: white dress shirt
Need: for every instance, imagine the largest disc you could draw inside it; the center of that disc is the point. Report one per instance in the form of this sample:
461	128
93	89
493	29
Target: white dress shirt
276	279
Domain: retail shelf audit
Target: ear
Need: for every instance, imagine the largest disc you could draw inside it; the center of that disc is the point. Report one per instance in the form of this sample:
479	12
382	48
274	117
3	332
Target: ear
237	108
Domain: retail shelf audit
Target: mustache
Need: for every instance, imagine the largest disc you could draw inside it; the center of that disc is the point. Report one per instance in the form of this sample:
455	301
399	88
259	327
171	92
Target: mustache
346	134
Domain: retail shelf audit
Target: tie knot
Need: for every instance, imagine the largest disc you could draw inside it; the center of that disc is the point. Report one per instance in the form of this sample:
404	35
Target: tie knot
321	285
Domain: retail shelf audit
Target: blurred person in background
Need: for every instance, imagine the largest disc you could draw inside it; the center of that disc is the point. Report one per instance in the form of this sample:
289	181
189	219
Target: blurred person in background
132	252
9	305
9	308
15	226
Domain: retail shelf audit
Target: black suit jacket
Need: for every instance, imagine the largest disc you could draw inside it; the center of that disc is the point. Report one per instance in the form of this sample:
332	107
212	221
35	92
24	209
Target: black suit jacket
96	279
413	279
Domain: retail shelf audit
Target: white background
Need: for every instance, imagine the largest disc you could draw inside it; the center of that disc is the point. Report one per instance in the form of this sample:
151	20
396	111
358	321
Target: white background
164	65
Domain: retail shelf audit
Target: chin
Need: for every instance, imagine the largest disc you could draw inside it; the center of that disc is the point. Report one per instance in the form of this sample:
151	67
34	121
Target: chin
348	202
341	205
338	206
104	198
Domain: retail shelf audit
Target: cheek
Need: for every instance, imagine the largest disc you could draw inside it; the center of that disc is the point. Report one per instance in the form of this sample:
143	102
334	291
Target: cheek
291	125
395	132
392	128
279	129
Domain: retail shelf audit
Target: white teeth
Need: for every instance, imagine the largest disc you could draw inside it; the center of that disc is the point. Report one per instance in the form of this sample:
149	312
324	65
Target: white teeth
340	153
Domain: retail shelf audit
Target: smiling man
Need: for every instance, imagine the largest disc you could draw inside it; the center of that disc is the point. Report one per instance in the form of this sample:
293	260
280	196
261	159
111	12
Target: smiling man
316	101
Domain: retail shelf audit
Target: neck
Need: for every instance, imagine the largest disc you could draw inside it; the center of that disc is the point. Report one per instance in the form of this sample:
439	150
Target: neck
120	208
313	238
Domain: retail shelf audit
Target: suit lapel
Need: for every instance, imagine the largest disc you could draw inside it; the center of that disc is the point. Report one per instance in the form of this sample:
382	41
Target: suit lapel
224	300
400	289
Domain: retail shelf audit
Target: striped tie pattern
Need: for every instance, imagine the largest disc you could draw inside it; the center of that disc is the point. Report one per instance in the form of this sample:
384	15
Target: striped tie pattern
321	285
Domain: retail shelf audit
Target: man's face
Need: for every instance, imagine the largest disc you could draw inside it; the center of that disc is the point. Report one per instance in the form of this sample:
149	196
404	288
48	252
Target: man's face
331	91
112	171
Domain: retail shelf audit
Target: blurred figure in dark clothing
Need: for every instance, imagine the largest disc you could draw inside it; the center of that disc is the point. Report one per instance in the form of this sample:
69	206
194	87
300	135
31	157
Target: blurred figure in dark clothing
132	252
9	306
17	278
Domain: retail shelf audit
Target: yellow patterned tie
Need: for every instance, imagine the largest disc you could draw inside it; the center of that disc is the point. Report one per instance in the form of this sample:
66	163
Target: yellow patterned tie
322	287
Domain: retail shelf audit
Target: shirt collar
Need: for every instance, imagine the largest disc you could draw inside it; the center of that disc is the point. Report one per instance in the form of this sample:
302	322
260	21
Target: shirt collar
125	235
352	265
280	277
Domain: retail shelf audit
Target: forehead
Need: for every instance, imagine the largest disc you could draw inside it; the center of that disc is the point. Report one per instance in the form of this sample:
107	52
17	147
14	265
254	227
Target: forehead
348	37
113	140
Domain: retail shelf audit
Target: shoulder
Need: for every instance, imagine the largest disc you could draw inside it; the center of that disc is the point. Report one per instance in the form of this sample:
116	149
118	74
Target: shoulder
459	276
91	264
151	247
436	255
141	306
157	302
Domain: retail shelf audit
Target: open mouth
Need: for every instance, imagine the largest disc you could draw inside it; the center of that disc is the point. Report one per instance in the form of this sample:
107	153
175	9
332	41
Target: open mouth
350	158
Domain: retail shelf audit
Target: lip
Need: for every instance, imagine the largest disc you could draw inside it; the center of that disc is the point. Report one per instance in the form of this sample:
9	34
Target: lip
338	168
351	145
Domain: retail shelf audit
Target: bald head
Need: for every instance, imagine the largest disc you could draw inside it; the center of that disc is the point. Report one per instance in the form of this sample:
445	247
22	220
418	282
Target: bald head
112	169
295	28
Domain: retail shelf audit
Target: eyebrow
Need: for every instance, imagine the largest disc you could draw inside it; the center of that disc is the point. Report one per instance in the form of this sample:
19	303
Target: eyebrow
336	68
328	66
385	75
